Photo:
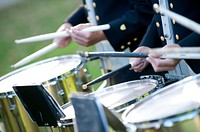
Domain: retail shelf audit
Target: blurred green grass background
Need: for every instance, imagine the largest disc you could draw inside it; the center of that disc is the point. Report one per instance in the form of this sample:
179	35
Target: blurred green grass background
35	17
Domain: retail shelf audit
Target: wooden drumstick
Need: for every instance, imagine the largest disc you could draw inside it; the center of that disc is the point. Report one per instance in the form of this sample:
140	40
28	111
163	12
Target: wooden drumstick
54	46
35	55
162	51
181	56
192	25
177	53
60	34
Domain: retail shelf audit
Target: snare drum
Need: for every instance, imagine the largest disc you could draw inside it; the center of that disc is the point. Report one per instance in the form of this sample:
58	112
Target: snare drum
175	108
118	97
60	75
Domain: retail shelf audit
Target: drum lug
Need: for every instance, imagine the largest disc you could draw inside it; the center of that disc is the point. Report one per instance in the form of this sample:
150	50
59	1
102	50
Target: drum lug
131	127
158	78
11	101
168	123
60	92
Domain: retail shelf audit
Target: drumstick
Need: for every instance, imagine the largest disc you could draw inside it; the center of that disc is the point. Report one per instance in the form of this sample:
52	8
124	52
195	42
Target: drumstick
107	76
162	51
127	67
114	54
192	25
173	53
54	46
35	55
60	34
181	56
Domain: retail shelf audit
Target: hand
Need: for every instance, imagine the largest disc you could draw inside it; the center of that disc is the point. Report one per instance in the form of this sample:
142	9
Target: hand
160	65
86	38
63	41
138	64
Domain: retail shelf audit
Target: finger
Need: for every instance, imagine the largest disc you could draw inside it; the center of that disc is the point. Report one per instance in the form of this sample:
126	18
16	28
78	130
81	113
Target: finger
76	36
153	55
81	26
161	65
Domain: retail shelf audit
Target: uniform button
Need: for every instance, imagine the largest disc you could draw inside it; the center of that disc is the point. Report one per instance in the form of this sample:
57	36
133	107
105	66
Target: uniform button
173	21
94	4
123	27
129	43
122	47
177	37
155	6
162	38
88	18
85	6
135	39
157	24
171	5
97	18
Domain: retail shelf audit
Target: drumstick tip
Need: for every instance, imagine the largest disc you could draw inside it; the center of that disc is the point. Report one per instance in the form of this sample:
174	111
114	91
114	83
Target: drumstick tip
84	86
12	66
86	54
17	41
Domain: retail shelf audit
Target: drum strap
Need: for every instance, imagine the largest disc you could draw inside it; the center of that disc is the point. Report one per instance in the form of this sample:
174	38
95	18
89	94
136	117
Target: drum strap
182	70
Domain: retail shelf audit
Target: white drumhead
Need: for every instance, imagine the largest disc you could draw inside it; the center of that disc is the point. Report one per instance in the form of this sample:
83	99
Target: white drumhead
119	94
172	100
39	72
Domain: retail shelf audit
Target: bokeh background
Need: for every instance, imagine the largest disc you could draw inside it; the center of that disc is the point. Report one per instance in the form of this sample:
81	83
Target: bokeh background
25	18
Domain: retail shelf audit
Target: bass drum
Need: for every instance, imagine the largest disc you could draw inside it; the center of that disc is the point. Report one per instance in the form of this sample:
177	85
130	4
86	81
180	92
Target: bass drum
61	76
175	108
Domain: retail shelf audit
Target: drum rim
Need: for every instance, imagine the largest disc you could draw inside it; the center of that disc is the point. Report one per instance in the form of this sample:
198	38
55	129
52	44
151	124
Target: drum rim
167	121
36	63
123	106
111	87
158	122
80	65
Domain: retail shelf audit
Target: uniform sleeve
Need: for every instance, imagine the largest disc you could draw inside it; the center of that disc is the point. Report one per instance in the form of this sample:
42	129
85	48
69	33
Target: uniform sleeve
190	41
151	38
77	17
130	28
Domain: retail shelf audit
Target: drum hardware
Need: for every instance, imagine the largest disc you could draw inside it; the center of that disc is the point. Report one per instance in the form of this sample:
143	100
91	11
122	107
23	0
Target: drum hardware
11	113
11	102
134	89
58	75
44	110
175	106
119	97
160	79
